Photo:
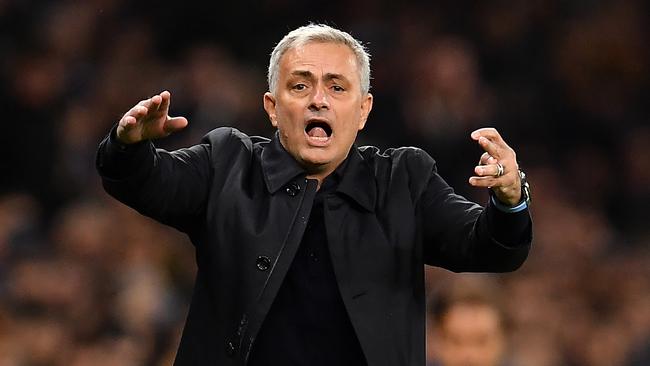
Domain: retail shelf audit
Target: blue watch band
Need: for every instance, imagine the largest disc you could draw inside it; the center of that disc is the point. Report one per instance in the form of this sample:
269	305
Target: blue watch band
508	209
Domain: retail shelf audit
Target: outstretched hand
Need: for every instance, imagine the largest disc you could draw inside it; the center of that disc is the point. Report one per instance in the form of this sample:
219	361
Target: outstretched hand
149	120
506	186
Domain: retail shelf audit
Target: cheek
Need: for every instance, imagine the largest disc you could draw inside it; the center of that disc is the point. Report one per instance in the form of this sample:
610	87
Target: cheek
355	112
349	119
289	117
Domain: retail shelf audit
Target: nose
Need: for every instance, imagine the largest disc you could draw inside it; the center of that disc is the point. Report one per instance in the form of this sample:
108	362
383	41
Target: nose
319	100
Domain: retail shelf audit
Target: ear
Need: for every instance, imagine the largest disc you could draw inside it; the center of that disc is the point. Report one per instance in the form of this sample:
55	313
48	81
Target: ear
269	107
366	107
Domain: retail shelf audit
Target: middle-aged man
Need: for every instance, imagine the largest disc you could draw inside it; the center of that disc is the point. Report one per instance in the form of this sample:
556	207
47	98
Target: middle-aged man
310	250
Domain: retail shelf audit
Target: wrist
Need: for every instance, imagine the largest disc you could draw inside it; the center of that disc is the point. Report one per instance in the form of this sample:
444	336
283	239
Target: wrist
522	205
524	198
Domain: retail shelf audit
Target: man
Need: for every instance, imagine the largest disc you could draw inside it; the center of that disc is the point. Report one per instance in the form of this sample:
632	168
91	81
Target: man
310	250
468	328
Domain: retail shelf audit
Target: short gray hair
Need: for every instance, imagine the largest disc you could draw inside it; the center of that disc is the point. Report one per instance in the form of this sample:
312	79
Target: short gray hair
319	33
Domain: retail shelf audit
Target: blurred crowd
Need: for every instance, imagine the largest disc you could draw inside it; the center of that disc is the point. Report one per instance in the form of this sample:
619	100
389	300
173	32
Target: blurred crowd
87	281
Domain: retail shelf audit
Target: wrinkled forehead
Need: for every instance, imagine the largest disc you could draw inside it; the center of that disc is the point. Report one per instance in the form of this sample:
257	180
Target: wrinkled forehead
332	57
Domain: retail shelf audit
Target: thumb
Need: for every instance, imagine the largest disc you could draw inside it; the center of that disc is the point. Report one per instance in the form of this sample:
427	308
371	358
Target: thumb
174	124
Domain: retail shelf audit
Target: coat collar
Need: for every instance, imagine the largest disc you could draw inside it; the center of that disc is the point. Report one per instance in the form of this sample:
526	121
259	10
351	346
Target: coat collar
357	180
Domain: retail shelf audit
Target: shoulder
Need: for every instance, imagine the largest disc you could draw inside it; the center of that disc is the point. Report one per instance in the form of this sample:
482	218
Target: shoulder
408	158
402	169
230	138
231	135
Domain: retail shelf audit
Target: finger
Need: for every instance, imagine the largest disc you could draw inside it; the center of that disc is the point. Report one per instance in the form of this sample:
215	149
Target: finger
483	159
486	158
174	124
165	100
135	113
491	180
491	134
492	148
486	170
154	103
487	182
127	122
488	132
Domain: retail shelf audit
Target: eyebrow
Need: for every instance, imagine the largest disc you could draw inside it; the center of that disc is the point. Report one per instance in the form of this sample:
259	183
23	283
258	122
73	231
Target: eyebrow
328	76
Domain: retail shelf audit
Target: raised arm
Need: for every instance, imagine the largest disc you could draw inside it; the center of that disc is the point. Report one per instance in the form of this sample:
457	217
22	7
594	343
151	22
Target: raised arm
462	236
170	187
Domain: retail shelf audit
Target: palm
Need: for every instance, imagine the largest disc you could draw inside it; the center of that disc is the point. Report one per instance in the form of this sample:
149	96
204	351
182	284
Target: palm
149	120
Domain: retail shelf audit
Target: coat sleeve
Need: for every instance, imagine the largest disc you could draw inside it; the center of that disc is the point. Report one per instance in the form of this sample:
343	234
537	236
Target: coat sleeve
170	187
462	236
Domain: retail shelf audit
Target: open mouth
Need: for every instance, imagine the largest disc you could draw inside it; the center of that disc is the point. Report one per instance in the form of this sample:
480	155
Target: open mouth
318	129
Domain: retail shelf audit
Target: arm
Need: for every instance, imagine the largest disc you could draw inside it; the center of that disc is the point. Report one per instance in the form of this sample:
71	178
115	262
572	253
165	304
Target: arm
170	187
462	236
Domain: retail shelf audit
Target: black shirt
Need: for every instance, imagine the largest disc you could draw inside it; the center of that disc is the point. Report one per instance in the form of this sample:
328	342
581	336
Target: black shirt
308	323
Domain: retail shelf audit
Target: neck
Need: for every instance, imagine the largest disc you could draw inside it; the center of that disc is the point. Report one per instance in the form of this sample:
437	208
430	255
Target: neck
321	175
320	172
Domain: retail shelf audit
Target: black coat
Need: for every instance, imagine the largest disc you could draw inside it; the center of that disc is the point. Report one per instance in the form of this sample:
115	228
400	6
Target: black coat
245	202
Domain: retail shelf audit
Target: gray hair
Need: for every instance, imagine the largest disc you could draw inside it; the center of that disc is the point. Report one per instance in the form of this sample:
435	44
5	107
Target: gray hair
319	33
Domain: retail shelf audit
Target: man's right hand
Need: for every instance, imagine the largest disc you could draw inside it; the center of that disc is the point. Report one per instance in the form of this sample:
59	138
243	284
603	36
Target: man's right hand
149	120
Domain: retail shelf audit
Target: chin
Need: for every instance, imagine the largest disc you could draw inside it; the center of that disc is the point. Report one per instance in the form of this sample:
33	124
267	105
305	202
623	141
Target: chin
315	164
317	160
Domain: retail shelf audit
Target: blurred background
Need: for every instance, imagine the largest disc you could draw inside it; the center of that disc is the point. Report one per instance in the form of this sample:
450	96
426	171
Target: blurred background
87	281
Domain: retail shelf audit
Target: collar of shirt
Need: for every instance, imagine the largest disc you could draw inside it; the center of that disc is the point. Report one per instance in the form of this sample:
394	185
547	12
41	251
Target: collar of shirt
353	178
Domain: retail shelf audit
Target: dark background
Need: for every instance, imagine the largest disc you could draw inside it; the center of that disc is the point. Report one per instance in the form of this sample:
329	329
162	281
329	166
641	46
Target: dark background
86	281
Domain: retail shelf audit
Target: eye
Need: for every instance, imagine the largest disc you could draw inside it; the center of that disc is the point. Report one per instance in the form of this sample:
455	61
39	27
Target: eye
299	87
338	88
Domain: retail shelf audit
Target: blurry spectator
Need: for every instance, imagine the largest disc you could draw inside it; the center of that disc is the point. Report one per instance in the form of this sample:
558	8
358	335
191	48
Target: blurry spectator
467	327
447	97
601	60
445	100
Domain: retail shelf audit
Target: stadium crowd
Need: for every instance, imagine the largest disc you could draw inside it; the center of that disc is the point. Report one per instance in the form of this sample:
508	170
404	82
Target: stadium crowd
86	281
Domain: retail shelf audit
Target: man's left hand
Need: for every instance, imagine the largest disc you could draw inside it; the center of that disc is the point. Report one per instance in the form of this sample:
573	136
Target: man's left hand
497	168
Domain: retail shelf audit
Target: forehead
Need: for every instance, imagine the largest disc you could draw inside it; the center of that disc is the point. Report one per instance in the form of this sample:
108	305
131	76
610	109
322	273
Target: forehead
320	57
472	318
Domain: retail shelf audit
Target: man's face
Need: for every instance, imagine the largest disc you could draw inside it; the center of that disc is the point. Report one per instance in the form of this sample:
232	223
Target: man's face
318	106
471	335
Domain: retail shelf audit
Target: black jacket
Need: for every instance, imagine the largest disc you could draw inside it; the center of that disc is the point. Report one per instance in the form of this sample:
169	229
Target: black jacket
245	202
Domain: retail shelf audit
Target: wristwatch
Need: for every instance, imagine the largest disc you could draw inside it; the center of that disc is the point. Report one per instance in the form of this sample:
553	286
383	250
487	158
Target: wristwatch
524	202
525	188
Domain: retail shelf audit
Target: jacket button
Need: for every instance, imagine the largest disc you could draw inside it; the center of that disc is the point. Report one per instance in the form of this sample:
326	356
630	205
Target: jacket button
293	189
230	348
263	263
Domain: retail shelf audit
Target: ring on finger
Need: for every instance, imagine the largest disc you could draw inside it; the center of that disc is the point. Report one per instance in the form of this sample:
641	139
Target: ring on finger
500	170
